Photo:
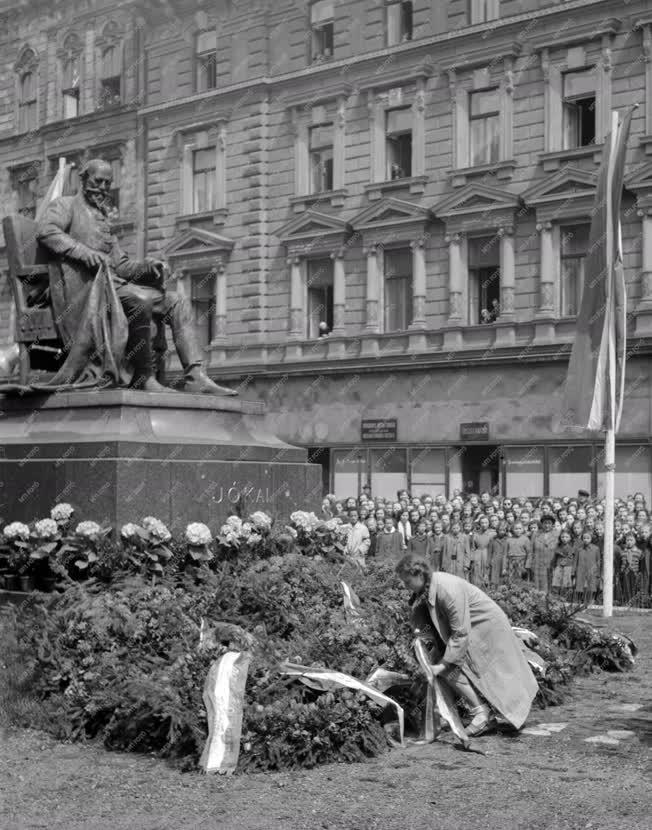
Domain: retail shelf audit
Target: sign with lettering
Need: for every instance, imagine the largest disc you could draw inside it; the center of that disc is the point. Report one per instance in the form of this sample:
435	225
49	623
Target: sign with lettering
379	429
474	431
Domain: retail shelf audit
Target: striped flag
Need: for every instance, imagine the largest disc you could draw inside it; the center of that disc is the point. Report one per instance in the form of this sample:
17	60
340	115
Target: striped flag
593	397
55	189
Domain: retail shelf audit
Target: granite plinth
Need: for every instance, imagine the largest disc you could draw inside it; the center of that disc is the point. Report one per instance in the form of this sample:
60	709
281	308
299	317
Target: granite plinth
119	455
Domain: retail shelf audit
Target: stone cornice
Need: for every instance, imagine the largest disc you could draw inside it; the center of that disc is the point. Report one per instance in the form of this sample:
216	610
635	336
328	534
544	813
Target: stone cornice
485	56
580	33
308	98
400	76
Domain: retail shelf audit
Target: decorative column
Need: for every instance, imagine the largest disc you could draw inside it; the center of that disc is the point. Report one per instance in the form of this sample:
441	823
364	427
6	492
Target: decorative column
545	326
339	139
301	153
505	329
417	339
295	333
372	301
336	346
647	57
644	307
220	167
377	136
453	337
507	132
419	139
603	97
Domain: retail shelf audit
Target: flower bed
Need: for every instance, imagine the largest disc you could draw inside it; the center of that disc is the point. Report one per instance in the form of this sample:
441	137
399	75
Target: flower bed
116	656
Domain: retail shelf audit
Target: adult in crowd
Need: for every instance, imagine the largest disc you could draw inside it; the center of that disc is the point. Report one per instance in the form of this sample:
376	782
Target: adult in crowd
473	647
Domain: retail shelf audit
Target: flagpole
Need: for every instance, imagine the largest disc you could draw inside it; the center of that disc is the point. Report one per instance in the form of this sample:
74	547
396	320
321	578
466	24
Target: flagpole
610	438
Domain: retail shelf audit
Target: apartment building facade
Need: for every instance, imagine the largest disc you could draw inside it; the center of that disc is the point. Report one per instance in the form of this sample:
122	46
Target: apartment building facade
378	210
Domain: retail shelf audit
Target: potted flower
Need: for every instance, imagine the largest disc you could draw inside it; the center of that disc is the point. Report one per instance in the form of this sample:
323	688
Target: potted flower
46	538
146	545
16	548
198	538
80	551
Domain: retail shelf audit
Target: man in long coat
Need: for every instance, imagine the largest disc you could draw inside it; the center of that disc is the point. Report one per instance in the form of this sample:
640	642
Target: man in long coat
482	659
104	302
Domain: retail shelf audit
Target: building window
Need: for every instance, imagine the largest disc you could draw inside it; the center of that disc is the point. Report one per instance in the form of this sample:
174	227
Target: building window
523	471
569	470
398	289
633	472
399	23
321	25
70	88
319	279
25	185
579	109
428	471
388	472
398	138
203	180
206	61
321	158
27	102
202	302
111	77
484	127
484	279
483	10
349	472
574	242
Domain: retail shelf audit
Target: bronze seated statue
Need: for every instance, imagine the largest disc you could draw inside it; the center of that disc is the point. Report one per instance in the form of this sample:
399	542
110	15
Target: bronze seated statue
77	292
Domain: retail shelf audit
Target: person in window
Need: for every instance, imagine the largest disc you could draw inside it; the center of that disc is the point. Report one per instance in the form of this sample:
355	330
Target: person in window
485	316
397	172
494	311
323	330
475	652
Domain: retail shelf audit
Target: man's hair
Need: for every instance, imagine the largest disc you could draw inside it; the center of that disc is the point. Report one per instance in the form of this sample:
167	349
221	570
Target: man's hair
90	167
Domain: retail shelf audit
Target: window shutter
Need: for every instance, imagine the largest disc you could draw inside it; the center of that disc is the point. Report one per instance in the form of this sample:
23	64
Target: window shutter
399	121
321	11
580	84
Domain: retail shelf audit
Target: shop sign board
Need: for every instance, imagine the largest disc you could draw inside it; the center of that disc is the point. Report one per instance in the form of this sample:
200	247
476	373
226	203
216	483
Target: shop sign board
474	431
373	429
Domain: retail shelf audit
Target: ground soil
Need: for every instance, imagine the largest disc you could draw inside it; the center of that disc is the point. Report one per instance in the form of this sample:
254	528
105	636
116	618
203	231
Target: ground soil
556	781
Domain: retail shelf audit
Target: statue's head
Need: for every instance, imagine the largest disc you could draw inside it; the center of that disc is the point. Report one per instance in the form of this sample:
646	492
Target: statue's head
96	179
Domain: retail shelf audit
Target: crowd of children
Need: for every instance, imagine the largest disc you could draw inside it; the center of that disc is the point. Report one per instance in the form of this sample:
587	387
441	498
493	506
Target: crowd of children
555	543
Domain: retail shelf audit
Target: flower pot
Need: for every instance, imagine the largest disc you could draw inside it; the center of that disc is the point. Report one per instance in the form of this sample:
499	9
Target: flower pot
26	583
11	582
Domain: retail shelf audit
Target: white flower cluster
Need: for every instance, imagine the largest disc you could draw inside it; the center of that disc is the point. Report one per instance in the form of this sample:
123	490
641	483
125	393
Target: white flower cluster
305	521
198	534
88	529
232	530
129	531
260	520
16	530
62	512
46	529
157	529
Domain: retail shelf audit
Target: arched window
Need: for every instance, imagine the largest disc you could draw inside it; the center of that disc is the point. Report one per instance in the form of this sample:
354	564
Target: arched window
70	57
110	74
26	70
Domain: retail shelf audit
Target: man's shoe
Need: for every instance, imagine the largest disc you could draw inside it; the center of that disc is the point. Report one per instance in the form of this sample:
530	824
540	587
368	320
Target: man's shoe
198	383
481	723
149	384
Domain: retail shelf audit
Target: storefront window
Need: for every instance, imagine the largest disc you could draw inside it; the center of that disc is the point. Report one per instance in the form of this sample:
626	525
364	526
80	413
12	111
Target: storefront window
524	471
346	466
388	472
428	471
633	472
570	470
455	477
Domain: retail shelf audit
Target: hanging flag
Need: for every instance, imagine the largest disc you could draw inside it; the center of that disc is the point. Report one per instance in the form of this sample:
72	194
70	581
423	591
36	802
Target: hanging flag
593	396
55	190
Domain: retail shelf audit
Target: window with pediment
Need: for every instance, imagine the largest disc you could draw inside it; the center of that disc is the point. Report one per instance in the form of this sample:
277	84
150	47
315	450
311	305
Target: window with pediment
397	289
26	69
573	245
319	287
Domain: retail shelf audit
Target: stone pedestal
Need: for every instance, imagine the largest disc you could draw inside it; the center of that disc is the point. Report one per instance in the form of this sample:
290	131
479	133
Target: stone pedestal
119	455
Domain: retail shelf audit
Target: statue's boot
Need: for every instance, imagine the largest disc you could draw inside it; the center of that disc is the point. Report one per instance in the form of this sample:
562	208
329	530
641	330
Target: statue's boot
149	384
198	382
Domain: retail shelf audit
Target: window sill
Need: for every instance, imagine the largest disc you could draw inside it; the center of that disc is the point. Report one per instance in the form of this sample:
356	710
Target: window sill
553	161
504	171
415	184
334	198
186	220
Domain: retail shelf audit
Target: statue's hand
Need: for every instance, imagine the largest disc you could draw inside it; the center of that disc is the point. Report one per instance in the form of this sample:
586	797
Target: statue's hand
157	268
93	259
